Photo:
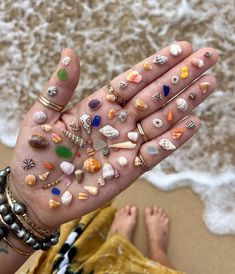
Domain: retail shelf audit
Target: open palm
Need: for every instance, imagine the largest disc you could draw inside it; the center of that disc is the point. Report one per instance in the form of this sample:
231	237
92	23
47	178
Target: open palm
99	167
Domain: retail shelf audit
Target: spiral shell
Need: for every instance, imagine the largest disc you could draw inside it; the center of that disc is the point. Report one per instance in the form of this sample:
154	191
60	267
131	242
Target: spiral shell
181	104
66	198
167	144
85	120
92	165
108	171
109	132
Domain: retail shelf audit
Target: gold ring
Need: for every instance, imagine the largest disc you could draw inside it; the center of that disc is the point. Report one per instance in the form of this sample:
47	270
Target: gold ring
141	131
48	104
139	161
111	91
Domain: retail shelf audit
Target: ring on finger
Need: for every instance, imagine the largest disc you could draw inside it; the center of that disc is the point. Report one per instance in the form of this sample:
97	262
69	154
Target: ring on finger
49	104
142	133
111	91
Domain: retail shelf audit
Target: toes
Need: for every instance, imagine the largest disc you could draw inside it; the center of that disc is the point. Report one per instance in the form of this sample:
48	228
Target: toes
148	211
133	211
127	209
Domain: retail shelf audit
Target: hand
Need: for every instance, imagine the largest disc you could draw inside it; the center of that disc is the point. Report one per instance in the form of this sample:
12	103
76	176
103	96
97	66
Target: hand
160	119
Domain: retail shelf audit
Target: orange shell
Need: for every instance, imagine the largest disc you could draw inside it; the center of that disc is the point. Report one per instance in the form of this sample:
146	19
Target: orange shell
147	66
112	113
170	116
177	133
134	76
49	165
92	165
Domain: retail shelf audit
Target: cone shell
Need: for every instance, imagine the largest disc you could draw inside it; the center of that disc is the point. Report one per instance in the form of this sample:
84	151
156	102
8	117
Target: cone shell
44	176
53	203
108	171
126	145
93	190
133	136
66	198
140	104
79	175
167	144
92	165
109	132
177	133
170	116
181	104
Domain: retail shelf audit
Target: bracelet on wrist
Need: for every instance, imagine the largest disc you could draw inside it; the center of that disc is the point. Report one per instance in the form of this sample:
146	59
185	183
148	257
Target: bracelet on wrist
14	220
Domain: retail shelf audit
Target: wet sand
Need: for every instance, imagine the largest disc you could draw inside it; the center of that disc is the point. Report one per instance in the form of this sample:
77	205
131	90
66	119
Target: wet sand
192	248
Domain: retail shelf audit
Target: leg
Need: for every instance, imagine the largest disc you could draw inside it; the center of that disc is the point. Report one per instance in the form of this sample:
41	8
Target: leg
125	221
158	227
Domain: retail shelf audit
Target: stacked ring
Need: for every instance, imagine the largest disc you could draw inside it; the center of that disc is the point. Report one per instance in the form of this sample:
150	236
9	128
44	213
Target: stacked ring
48	104
111	91
142	133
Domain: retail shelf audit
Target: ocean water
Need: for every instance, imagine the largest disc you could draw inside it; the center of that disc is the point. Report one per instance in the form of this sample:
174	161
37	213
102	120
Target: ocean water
110	36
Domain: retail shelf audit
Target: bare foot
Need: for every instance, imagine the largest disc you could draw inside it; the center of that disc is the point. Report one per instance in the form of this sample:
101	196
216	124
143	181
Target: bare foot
125	221
158	227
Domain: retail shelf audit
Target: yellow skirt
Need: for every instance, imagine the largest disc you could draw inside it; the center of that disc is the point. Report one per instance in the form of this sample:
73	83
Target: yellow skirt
85	249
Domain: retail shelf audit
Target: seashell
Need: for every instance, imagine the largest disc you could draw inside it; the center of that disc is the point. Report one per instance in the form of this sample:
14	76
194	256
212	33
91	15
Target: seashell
133	136
38	141
109	132
67	167
151	150
46	127
30	180
122	160
134	76
174	79
157	97
190	124
208	54
74	126
101	181
197	62
184	72
112	113
27	164
79	174
181	104
75	139
116	172
106	151
157	122
95	104
40	117
140	104
48	165
123	84
55	138
111	97
108	172
98	144
82	196
170	116
175	50
122	115
92	165
137	161
53	203
126	145
85	120
66	198
52	91
177	133
147	66
192	95
167	144
160	59
93	190
166	90
90	151
44	176
66	60
204	86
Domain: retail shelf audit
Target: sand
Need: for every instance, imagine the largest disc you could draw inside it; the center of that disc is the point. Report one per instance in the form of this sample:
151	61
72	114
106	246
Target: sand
192	248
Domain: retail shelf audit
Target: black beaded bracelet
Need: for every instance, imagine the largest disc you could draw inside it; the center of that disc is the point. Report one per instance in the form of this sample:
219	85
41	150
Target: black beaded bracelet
9	223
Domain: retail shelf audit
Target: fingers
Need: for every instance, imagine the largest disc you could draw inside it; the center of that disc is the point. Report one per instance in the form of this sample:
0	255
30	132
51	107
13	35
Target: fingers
60	87
157	123
156	150
156	94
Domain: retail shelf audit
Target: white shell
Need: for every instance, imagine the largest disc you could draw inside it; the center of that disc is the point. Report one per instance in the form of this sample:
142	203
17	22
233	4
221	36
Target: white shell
133	136
85	120
127	145
39	117
101	181
66	60
160	59
122	160
109	132
93	190
66	198
181	104
67	167
108	171
175	50
157	122
167	144
174	79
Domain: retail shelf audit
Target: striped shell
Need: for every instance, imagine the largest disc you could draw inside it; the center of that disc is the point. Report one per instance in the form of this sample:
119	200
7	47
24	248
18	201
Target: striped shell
92	165
109	132
66	198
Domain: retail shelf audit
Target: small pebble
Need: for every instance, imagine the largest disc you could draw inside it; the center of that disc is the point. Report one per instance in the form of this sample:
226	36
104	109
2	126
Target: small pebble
66	60
52	91
96	121
55	191
95	104
39	117
30	180
67	167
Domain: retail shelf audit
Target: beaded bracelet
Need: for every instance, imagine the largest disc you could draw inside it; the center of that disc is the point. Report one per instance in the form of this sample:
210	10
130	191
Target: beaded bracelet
10	210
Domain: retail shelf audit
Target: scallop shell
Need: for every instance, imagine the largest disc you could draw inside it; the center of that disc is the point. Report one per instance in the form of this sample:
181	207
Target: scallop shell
85	120
181	104
122	160
126	145
133	136
66	198
93	190
92	165
108	172
109	132
167	144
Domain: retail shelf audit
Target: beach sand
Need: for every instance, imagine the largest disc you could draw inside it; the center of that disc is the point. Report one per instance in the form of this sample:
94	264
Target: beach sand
192	248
